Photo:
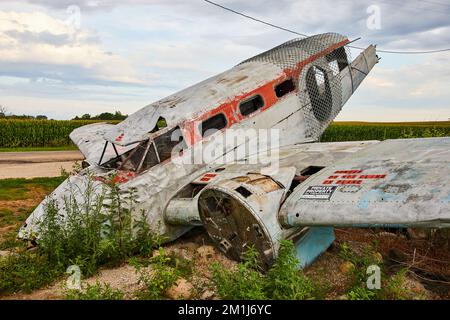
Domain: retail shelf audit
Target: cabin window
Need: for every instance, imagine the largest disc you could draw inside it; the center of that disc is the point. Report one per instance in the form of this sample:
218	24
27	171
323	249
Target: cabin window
319	92
337	60
284	88
213	124
252	105
334	67
166	142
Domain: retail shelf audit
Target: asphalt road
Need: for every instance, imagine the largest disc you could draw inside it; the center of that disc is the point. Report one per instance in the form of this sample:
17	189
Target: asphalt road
37	164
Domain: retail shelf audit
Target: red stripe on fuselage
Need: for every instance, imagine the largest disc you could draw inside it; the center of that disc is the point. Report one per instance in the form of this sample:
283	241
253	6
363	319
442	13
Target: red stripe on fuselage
231	108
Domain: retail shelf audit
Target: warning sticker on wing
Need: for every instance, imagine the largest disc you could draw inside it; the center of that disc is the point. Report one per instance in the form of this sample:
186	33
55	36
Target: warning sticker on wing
319	192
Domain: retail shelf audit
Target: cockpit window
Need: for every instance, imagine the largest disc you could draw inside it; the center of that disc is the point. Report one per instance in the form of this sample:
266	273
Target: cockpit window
150	160
166	143
136	158
150	152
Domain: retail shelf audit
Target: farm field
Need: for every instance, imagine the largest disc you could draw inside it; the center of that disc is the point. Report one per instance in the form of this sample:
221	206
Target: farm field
43	135
355	131
38	135
191	267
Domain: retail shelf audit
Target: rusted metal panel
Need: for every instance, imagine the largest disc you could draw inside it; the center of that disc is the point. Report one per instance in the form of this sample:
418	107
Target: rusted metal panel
396	182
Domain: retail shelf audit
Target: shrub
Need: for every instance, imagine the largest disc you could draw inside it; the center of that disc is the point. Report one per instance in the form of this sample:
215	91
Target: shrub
158	278
95	292
25	272
245	283
284	280
96	230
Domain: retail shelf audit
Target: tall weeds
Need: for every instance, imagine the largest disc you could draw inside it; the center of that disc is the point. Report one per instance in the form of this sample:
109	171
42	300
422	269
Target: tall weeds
93	228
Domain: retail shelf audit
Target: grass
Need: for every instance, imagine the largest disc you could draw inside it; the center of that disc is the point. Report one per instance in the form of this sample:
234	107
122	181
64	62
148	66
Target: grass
20	189
26	195
95	292
10	217
393	287
47	135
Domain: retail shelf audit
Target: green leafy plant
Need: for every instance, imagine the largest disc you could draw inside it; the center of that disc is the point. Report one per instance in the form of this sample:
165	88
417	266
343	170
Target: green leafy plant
284	280
25	271
395	288
244	283
97	229
95	292
361	293
156	277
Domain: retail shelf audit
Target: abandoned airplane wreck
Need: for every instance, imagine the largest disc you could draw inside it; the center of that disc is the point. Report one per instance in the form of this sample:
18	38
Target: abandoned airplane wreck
297	88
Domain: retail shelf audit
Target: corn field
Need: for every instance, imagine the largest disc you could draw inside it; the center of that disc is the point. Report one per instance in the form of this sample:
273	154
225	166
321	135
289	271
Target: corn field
356	131
16	133
53	133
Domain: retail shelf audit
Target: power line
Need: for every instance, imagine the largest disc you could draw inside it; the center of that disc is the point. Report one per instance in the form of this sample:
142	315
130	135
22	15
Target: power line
255	19
436	3
305	35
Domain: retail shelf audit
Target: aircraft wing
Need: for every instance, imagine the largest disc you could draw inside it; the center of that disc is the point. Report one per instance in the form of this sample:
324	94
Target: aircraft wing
394	183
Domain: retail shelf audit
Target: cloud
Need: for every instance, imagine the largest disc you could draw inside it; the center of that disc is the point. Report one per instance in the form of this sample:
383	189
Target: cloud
414	92
131	53
36	44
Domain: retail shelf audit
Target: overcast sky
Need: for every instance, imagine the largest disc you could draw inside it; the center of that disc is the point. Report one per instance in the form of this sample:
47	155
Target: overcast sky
69	57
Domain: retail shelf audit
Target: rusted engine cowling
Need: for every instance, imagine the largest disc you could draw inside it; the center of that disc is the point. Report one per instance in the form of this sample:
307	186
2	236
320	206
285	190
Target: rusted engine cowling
243	212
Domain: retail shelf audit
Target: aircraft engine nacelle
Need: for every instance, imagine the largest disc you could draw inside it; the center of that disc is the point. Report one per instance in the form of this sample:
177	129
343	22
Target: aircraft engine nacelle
242	212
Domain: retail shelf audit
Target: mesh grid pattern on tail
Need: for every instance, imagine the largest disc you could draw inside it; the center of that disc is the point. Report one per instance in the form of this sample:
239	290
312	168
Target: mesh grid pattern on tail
288	54
319	82
321	91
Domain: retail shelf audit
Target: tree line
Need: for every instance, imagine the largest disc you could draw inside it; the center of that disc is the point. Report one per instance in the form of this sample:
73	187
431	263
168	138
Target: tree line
4	114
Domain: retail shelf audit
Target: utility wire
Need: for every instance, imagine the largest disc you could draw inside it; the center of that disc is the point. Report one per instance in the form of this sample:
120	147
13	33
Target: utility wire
255	19
436	3
305	35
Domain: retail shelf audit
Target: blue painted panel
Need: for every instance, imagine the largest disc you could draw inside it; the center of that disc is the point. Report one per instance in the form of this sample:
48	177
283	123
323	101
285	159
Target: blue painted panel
313	243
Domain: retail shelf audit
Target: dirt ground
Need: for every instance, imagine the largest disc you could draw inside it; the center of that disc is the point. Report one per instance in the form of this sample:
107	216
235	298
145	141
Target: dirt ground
427	261
36	164
425	280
